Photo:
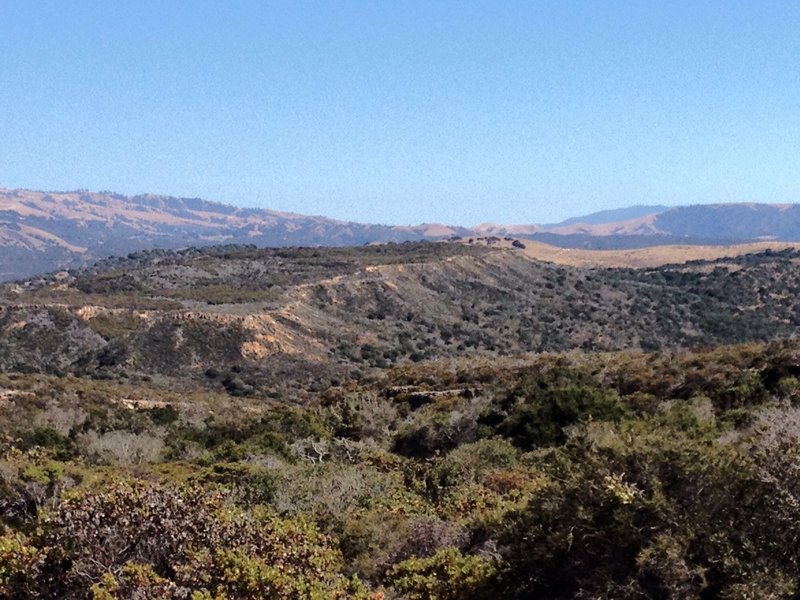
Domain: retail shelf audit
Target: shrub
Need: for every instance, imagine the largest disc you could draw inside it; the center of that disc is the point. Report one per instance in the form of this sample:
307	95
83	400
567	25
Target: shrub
447	575
20	565
543	419
171	541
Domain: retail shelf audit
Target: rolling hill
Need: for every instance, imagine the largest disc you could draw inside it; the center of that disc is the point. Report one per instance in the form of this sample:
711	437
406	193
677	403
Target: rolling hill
304	316
644	226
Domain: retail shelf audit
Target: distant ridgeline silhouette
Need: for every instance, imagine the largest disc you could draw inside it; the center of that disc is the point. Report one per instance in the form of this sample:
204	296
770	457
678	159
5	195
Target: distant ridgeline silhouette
48	231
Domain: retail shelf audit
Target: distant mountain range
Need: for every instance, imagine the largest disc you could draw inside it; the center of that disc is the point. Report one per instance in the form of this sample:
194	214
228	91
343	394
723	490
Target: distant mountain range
41	231
700	223
47	231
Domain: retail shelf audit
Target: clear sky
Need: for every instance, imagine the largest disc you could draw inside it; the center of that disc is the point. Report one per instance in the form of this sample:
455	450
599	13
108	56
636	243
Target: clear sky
403	112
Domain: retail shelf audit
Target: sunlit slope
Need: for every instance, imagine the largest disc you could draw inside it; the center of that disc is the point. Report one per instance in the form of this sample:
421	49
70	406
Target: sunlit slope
644	257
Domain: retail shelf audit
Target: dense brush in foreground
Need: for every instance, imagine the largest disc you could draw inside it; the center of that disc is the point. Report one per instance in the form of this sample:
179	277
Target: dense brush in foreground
579	475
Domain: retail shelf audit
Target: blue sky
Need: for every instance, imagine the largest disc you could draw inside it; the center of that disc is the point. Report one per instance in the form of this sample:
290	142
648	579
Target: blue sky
404	112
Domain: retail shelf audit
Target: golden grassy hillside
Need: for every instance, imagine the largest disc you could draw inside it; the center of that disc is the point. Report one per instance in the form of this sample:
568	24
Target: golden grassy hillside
655	256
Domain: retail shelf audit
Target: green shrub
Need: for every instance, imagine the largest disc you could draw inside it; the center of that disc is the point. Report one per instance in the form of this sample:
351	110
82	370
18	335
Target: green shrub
447	575
543	419
167	542
45	437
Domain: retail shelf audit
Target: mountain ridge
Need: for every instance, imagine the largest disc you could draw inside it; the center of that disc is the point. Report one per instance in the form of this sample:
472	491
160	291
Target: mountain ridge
47	231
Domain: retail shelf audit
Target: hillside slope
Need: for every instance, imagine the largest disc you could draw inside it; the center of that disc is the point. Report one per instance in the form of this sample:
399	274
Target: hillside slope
182	422
306	317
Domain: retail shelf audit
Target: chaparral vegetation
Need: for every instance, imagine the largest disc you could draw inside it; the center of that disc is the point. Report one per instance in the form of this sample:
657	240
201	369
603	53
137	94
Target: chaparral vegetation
414	421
